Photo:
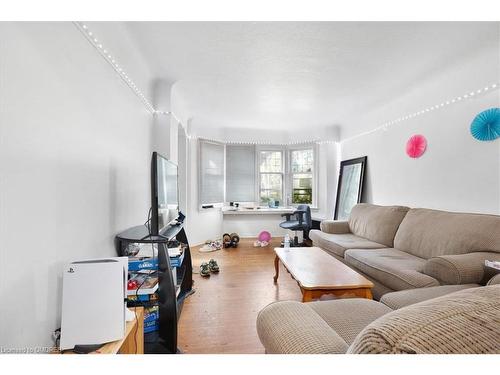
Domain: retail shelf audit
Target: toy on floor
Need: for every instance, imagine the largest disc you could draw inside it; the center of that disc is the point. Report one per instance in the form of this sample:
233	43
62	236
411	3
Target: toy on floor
230	240
260	243
263	239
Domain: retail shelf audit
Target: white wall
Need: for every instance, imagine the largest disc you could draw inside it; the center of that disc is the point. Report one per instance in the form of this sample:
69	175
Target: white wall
201	225
247	225
75	148
457	172
327	180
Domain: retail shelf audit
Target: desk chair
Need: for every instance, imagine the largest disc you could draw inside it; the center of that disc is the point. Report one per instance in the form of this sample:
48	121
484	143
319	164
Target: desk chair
301	220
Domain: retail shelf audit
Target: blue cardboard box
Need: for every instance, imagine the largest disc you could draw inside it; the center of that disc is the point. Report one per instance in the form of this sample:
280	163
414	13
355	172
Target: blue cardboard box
176	261
151	326
138	264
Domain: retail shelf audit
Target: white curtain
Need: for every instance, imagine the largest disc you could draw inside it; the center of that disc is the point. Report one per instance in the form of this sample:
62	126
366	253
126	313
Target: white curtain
240	173
211	172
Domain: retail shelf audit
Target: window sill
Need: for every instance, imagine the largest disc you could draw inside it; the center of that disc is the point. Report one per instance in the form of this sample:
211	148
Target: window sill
257	211
260	210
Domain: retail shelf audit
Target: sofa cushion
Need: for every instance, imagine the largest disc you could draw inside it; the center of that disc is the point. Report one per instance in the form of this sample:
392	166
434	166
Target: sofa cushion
396	269
376	223
429	233
335	226
338	314
339	243
464	322
402	298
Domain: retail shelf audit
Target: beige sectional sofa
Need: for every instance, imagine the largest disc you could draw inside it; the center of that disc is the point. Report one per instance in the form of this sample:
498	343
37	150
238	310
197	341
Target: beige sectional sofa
427	267
466	321
401	248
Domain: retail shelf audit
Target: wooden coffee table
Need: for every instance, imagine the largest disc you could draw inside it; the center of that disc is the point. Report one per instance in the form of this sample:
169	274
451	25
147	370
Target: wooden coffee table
318	273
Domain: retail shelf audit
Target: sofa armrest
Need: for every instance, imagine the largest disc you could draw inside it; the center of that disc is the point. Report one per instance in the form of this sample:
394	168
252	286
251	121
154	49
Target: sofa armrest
459	269
335	227
291	327
495	280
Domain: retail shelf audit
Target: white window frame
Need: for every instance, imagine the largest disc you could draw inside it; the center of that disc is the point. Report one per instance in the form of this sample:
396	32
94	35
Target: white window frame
258	173
287	183
289	174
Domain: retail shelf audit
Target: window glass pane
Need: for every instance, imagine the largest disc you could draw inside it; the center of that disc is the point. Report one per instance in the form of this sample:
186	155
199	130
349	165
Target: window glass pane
270	181
271	186
270	161
302	188
302	161
268	195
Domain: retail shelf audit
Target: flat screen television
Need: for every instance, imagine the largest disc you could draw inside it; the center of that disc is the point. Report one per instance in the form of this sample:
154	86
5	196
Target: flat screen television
164	195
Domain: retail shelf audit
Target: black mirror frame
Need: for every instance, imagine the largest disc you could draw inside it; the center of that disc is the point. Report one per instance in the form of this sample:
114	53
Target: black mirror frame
362	160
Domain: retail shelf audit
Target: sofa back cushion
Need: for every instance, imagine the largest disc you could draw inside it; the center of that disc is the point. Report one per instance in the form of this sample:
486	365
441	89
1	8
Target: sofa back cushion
429	233
464	322
376	223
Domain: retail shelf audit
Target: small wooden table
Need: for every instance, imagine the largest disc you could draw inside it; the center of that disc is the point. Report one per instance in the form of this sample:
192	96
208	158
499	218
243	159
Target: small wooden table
318	273
132	342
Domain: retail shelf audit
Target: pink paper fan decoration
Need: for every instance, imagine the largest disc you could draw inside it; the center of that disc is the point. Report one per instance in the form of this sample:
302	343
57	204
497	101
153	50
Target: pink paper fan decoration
416	145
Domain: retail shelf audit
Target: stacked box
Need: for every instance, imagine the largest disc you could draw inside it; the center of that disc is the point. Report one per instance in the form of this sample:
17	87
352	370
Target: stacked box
139	264
176	261
151	319
147	296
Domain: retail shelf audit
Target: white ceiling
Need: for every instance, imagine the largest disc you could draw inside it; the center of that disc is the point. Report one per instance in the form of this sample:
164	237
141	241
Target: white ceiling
300	75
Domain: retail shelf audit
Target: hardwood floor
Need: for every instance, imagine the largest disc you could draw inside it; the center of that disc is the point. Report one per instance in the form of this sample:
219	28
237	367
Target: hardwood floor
220	316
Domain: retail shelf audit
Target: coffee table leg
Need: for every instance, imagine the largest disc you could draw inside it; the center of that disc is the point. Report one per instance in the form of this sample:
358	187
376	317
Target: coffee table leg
307	295
368	293
276	269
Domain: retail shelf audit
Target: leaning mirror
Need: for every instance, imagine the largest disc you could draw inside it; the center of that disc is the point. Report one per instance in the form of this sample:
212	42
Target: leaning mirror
350	186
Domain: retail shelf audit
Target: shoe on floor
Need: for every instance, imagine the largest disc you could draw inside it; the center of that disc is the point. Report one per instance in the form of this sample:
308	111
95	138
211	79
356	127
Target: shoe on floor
213	266
205	270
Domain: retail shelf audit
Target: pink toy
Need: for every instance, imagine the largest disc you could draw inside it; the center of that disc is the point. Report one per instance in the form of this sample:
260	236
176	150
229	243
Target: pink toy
416	145
264	236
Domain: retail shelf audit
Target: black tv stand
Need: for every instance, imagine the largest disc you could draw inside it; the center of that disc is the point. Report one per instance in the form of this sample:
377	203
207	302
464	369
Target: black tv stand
170	301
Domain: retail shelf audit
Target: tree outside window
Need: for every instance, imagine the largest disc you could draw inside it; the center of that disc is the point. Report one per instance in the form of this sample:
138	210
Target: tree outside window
302	162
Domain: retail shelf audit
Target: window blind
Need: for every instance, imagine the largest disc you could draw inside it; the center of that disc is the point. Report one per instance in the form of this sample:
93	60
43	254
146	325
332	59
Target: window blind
240	173
211	172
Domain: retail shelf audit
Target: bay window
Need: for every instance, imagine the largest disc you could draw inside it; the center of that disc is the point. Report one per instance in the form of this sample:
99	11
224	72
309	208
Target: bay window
280	175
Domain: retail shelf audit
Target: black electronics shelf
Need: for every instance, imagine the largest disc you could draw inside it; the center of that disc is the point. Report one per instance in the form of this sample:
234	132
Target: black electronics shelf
170	305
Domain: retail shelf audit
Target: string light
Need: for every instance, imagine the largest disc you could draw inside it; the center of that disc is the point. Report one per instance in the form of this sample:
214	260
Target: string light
104	52
443	104
92	38
263	143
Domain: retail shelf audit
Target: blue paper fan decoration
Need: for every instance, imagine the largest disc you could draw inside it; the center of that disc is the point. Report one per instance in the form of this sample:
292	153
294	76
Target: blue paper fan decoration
486	125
